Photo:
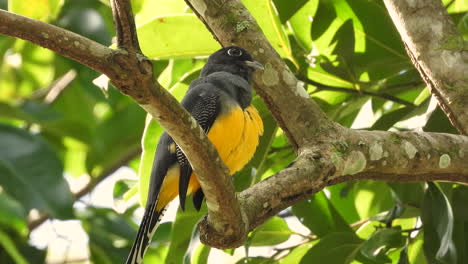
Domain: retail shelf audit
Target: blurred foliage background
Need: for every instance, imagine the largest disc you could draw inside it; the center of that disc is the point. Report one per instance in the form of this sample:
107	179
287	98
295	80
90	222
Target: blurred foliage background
58	129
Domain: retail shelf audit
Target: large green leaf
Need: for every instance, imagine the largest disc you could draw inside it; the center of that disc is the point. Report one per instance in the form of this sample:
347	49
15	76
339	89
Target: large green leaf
146	10
269	21
201	254
44	10
460	214
32	173
334	248
301	24
158	41
342	198
272	232
320	216
371	198
438	224
181	235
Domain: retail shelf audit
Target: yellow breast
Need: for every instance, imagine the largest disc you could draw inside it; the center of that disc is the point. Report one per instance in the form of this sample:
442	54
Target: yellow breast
235	136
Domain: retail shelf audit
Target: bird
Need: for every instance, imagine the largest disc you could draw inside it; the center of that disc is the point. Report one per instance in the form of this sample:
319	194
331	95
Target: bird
220	101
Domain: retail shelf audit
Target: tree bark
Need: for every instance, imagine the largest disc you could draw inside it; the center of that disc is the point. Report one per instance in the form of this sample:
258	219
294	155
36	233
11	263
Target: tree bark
438	51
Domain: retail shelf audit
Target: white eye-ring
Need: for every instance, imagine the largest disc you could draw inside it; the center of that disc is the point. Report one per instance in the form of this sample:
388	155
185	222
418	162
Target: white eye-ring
234	52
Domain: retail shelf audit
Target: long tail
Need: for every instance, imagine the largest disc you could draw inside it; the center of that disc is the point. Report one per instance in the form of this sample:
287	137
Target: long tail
148	226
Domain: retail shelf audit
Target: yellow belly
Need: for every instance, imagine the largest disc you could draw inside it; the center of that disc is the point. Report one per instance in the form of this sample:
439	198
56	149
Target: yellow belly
235	137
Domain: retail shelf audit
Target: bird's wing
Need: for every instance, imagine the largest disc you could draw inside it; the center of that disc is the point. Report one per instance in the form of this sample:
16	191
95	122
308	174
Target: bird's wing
204	105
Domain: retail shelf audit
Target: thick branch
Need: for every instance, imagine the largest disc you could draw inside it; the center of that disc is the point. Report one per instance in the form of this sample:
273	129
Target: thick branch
364	155
438	51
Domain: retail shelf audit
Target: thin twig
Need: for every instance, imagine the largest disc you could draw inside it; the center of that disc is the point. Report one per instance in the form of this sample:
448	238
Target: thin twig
322	87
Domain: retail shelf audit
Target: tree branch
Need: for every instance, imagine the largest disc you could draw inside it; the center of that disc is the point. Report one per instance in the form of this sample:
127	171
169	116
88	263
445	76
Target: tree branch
364	155
125	26
438	51
321	87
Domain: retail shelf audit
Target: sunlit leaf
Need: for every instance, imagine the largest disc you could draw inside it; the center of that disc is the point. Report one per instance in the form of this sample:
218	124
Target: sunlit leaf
44	10
320	216
272	232
157	38
334	248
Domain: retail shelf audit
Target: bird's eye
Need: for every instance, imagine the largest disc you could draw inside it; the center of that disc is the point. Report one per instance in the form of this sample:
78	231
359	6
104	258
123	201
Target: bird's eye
234	52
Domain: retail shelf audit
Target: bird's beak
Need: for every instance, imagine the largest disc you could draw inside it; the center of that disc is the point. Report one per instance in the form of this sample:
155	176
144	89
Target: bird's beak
254	65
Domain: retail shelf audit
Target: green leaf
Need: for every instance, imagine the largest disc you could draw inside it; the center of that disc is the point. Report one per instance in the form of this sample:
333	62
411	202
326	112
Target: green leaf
387	120
371	198
320	216
438	122
158	41
296	254
416	251
286	9
12	214
438	223
456	6
32	173
256	260
44	10
460	214
403	259
410	194
110	235
117	137
149	141
334	248
148	9
272	232
268	20
9	246
301	24
201	254
181	235
342	198
376	247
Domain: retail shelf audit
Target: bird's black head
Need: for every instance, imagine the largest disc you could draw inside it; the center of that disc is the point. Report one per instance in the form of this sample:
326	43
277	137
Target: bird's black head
231	59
